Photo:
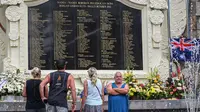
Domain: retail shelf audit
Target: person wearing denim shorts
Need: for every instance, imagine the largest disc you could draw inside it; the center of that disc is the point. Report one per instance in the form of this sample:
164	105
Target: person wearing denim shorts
60	81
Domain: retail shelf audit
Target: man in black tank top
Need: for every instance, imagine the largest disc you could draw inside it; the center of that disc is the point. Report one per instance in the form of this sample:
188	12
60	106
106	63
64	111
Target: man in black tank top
60	81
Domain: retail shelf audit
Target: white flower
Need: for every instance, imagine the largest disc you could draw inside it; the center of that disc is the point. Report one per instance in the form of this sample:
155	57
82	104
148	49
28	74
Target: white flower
10	90
179	84
179	88
177	79
184	87
3	91
137	88
14	83
130	82
158	90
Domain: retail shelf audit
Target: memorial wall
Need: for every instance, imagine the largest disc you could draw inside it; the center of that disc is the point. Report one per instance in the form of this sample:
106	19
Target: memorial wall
110	35
105	34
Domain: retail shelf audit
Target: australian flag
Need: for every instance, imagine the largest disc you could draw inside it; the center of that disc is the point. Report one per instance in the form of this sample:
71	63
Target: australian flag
185	49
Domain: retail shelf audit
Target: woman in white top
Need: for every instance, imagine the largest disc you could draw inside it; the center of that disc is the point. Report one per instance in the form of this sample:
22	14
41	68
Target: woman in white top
93	93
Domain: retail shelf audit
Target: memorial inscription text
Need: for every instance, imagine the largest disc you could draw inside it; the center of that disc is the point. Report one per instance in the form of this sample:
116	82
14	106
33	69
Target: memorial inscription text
105	34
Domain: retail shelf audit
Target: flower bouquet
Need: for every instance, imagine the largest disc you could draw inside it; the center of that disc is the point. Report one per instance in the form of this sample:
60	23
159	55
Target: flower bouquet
12	84
154	87
131	80
176	89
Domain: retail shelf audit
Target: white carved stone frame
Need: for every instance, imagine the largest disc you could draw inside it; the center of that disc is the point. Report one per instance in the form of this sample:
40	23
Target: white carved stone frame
151	57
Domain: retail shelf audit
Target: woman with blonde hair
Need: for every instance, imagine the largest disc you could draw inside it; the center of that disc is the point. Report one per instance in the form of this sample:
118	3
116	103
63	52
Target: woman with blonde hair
31	90
93	97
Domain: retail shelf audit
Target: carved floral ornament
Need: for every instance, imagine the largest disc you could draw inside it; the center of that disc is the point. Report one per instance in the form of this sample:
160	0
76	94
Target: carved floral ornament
14	33
156	17
13	13
140	2
158	4
11	2
2	47
8	66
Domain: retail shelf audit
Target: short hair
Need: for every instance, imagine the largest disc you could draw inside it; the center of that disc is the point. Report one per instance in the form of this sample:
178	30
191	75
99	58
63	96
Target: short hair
117	73
36	72
60	64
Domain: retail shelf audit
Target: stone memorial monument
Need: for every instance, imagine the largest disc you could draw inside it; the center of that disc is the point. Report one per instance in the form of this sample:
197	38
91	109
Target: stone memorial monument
110	35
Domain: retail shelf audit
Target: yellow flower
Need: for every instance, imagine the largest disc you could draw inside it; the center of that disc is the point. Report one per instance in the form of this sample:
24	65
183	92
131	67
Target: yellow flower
153	90
148	94
158	76
131	93
155	81
126	75
133	89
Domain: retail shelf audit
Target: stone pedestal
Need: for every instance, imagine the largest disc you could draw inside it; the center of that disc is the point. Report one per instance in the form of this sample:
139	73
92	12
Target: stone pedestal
12	98
134	106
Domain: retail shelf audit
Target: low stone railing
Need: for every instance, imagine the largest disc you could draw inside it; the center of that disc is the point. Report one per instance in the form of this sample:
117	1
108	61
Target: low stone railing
134	105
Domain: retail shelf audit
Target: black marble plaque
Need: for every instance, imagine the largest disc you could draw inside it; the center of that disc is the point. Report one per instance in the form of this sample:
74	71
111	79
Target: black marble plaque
105	34
64	33
111	54
86	28
132	37
40	33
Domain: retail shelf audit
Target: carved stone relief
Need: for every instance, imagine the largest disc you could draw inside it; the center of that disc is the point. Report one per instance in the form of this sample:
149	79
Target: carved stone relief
7	65
2	49
158	4
164	62
2	45
14	34
157	18
178	17
11	2
13	13
35	2
140	2
22	36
